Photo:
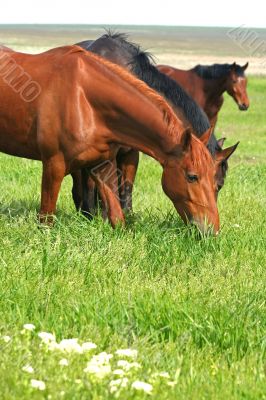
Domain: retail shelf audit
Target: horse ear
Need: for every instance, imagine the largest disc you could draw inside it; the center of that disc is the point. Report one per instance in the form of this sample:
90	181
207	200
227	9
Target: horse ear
186	139
244	67
223	155
233	66
220	142
206	136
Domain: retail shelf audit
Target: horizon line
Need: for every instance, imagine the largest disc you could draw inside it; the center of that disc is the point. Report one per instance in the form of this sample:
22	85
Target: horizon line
132	25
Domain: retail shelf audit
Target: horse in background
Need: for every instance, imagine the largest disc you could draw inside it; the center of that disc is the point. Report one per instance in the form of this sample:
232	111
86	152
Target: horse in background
206	84
117	48
85	110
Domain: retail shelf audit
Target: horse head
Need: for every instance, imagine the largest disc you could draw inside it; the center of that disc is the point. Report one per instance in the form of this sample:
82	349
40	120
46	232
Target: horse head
221	162
237	85
189	181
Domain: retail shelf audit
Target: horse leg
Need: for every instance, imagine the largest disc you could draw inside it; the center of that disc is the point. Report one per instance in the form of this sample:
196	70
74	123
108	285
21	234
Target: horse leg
89	194
127	164
84	192
106	182
77	189
213	121
54	170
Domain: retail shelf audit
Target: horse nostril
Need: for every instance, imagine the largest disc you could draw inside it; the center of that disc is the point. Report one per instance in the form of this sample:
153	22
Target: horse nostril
243	106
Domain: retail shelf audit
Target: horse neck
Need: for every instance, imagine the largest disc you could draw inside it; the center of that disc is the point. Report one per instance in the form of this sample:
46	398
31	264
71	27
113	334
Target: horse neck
133	114
143	126
214	88
183	104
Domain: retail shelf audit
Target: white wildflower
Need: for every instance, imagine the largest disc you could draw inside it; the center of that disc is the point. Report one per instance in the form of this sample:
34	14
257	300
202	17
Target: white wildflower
37	384
100	371
117	384
29	327
70	345
171	383
127	353
113	389
28	368
64	362
119	372
101	358
144	386
87	346
127	365
99	365
6	338
46	337
52	346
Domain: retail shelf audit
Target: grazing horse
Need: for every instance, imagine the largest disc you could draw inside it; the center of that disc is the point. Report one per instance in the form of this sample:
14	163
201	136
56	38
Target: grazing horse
206	85
85	110
116	48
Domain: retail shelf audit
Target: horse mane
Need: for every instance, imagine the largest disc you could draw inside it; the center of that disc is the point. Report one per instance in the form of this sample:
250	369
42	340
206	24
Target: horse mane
199	154
217	71
124	43
169	116
142	65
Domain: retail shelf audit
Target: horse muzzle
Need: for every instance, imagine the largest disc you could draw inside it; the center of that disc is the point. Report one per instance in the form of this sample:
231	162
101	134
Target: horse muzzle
206	225
205	228
243	107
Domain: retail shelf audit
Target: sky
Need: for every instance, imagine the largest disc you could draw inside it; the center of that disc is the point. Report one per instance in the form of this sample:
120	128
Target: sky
136	12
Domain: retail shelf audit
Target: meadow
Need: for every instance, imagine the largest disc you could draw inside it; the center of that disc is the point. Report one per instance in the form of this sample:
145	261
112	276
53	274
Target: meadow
193	309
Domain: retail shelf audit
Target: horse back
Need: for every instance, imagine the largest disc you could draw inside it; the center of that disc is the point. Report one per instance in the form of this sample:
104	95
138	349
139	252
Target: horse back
35	91
189	81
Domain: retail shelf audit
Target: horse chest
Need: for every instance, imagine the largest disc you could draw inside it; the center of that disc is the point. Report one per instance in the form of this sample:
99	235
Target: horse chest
212	107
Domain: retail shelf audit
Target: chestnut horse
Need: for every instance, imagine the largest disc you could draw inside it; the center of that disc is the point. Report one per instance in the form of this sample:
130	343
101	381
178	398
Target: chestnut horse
116	48
85	110
206	85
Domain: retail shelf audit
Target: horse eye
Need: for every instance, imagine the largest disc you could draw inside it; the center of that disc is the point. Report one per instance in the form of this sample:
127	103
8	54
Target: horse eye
192	178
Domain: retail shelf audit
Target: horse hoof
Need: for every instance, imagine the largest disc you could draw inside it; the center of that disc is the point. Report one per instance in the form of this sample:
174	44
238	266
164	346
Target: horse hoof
46	219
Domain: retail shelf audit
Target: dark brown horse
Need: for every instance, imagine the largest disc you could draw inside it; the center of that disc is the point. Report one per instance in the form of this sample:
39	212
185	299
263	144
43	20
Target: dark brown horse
118	49
84	109
206	85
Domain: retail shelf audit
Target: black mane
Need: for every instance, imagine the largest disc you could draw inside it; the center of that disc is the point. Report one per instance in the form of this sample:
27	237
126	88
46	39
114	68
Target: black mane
141	64
217	71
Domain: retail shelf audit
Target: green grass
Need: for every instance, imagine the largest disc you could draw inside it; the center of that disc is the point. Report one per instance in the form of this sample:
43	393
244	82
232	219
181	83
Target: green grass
194	308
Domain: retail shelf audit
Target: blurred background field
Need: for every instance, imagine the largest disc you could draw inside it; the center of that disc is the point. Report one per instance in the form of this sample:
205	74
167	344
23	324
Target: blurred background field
178	46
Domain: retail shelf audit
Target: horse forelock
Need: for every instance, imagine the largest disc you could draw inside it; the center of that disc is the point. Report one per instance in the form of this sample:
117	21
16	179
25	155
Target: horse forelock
199	155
